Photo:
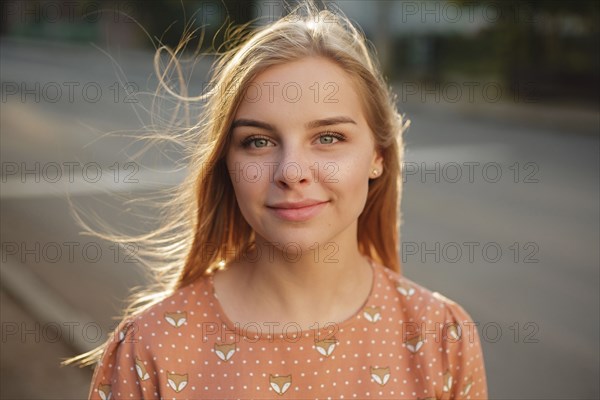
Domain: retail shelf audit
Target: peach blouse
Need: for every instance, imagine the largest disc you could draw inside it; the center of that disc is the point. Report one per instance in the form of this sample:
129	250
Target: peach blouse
404	343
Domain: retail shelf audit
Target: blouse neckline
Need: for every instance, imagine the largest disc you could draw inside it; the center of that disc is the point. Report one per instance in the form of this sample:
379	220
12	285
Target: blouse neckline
254	335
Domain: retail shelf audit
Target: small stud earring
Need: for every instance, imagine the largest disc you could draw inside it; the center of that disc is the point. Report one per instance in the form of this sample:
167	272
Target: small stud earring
375	172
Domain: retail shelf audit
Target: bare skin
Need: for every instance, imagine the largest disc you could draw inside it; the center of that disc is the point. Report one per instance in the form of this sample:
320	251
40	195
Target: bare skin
308	269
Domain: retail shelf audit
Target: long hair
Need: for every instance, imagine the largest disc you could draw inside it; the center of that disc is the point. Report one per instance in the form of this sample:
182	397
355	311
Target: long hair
205	228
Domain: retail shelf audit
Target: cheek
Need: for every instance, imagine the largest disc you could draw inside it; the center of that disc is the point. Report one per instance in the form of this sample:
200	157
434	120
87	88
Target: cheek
248	180
351	195
243	169
350	178
244	195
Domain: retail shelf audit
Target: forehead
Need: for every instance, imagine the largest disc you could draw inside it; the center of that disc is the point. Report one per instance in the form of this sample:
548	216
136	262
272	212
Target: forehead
301	90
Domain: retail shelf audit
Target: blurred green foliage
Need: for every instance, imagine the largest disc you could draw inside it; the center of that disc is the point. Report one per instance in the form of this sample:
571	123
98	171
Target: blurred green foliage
551	44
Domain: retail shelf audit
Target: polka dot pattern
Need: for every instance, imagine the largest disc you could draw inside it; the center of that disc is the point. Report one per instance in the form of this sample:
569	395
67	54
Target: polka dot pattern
405	342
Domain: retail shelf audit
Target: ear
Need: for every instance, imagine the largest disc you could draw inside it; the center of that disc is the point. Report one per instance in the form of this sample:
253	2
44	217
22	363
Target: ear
376	165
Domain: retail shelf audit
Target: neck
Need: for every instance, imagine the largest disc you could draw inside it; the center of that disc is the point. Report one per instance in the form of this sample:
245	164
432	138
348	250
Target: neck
323	284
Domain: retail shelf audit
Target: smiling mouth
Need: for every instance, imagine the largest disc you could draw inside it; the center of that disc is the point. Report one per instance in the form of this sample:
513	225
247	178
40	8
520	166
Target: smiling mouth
299	214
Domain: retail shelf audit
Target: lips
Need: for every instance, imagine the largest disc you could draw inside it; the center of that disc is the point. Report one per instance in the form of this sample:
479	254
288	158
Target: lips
296	204
298	211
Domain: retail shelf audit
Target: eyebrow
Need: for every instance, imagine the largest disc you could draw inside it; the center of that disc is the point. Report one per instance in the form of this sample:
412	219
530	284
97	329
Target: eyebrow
310	125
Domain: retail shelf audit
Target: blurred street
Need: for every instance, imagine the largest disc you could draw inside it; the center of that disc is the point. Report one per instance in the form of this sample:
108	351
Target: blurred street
506	223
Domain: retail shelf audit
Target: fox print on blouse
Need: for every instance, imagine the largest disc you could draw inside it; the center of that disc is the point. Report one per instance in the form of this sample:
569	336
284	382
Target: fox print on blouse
406	342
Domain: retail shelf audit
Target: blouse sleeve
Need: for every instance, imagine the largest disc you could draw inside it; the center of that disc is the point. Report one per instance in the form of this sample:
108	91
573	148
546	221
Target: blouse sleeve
464	370
124	371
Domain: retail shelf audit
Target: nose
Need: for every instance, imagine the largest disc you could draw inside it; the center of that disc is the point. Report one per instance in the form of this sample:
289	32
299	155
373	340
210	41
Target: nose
293	170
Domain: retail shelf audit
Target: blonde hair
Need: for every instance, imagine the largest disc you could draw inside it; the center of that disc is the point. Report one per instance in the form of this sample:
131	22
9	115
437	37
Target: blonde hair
205	228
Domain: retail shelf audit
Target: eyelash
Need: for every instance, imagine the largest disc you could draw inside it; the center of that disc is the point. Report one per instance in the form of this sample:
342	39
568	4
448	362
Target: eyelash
249	140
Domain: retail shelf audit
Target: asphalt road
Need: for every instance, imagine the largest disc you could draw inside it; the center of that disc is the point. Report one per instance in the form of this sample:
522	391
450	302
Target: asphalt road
506	223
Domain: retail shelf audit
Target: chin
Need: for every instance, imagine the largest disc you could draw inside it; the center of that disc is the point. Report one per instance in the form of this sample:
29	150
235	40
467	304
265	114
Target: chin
295	241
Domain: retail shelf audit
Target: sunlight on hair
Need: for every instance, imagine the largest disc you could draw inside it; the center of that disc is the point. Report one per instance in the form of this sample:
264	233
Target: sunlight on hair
201	227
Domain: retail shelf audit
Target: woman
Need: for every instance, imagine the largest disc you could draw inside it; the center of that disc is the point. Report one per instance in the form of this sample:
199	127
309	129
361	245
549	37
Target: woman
291	283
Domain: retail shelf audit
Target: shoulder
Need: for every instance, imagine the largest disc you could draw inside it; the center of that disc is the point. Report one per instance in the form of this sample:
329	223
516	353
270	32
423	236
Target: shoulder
420	303
441	331
176	312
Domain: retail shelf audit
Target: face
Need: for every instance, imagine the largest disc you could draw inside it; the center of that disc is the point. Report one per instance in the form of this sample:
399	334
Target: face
301	155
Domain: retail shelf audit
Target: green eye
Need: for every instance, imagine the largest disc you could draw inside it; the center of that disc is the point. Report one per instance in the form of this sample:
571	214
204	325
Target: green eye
260	142
331	138
255	142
